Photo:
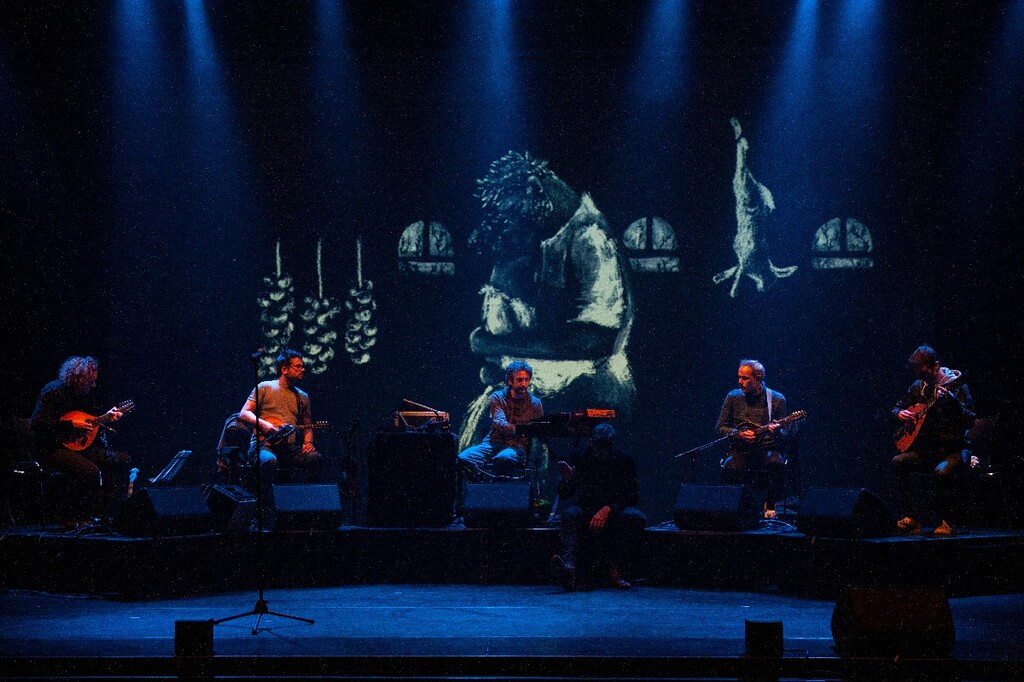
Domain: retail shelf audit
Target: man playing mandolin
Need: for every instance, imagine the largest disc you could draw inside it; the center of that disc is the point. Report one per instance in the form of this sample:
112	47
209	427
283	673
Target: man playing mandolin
283	411
755	454
934	416
65	430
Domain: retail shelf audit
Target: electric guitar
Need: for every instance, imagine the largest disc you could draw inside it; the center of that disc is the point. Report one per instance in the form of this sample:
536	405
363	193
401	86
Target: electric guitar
759	431
90	425
906	432
286	430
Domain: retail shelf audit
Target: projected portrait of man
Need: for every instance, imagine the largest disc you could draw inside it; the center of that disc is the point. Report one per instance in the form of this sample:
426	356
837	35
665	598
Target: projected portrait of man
558	296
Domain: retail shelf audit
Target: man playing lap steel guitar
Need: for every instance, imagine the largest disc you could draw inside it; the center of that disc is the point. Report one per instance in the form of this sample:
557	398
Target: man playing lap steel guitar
286	428
753	455
65	431
933	416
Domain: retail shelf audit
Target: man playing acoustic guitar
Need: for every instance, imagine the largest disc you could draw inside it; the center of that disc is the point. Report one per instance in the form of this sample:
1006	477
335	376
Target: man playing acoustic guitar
934	416
283	411
65	430
753	458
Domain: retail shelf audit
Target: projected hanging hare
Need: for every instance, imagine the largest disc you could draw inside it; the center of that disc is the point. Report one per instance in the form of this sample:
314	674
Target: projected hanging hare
754	204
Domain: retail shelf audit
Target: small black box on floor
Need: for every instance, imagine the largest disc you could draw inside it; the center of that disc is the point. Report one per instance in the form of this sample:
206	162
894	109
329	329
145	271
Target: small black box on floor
883	622
497	505
716	507
232	507
164	511
844	513
307	507
411	480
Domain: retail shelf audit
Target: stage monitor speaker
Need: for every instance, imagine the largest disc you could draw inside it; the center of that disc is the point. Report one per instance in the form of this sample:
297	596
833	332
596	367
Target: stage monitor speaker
716	507
844	513
497	505
232	507
883	622
307	507
164	511
411	480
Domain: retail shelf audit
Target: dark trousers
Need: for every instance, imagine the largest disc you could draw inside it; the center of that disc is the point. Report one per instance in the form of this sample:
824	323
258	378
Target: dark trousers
604	548
97	482
944	470
300	468
761	470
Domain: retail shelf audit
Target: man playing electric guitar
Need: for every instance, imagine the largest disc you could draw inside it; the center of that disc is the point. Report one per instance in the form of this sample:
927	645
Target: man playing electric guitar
754	459
64	431
282	404
933	416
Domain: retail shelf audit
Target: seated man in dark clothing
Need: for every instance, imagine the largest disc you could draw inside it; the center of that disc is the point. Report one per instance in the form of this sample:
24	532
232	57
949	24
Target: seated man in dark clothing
65	430
602	485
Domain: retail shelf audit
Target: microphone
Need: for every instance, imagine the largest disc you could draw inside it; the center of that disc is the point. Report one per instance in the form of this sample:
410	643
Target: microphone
257	355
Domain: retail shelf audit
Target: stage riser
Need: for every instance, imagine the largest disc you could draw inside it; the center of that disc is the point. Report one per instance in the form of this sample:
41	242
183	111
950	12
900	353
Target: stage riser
138	568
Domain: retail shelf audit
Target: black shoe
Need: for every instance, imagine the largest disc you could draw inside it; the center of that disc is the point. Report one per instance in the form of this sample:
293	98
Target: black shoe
564	573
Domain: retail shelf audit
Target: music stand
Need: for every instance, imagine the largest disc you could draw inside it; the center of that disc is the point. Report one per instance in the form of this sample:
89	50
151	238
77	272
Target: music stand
171	470
260	608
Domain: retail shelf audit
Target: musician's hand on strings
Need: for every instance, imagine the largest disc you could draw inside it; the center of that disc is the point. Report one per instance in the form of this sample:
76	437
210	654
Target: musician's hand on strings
597	523
307	448
907	416
773	425
113	414
566	471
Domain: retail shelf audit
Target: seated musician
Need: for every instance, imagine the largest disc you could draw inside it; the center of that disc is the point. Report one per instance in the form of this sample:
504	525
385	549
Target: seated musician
601	486
284	409
511	406
65	437
754	459
940	402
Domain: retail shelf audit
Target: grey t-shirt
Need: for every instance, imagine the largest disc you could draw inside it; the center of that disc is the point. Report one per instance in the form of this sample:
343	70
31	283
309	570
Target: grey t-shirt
279	405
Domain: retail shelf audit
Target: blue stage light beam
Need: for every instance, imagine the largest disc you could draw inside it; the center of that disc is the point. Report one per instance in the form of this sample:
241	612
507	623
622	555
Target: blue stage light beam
661	74
791	99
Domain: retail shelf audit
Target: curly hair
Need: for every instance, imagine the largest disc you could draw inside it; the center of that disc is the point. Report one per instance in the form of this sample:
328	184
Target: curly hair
78	371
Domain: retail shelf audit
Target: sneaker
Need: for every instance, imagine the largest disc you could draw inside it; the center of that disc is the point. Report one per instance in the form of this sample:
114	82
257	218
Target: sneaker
908	524
564	573
944	530
618	582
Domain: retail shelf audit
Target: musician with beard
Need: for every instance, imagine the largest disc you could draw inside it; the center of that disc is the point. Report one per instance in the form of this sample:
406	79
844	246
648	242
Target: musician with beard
934	416
97	476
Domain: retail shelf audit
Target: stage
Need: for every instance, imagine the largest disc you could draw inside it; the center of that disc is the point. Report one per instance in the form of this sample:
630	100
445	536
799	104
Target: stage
478	602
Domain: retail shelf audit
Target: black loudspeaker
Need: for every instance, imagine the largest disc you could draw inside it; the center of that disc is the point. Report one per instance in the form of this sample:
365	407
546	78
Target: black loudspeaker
164	511
883	622
232	507
307	507
411	480
844	513
497	505
716	507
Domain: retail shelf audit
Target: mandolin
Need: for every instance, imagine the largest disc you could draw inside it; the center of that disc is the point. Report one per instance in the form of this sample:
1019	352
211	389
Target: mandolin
90	425
907	432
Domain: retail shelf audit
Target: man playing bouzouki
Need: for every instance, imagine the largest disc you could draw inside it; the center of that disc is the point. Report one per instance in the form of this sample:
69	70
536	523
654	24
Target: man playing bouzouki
64	431
754	456
282	404
933	418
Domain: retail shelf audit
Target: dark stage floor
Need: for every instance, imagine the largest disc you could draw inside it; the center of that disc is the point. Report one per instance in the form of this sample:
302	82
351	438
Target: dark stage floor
469	621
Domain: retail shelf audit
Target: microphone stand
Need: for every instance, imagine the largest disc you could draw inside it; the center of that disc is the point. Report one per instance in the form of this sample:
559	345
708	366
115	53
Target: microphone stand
261	608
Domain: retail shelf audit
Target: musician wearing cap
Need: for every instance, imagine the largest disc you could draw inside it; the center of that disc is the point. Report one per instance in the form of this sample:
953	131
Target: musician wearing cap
502	448
933	417
284	428
750	415
600	487
65	436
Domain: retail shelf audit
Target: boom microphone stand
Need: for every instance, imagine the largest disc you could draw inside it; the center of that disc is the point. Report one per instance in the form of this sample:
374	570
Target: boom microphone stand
261	608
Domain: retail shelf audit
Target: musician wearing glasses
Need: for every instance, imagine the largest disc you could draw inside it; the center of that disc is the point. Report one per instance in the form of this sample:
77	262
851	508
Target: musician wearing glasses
755	455
284	428
502	448
65	435
933	417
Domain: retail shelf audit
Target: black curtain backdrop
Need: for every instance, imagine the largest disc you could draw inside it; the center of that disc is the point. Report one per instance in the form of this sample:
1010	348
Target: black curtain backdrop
155	153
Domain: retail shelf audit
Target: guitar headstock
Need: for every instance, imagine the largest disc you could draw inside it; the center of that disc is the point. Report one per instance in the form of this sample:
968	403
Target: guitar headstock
126	406
321	424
